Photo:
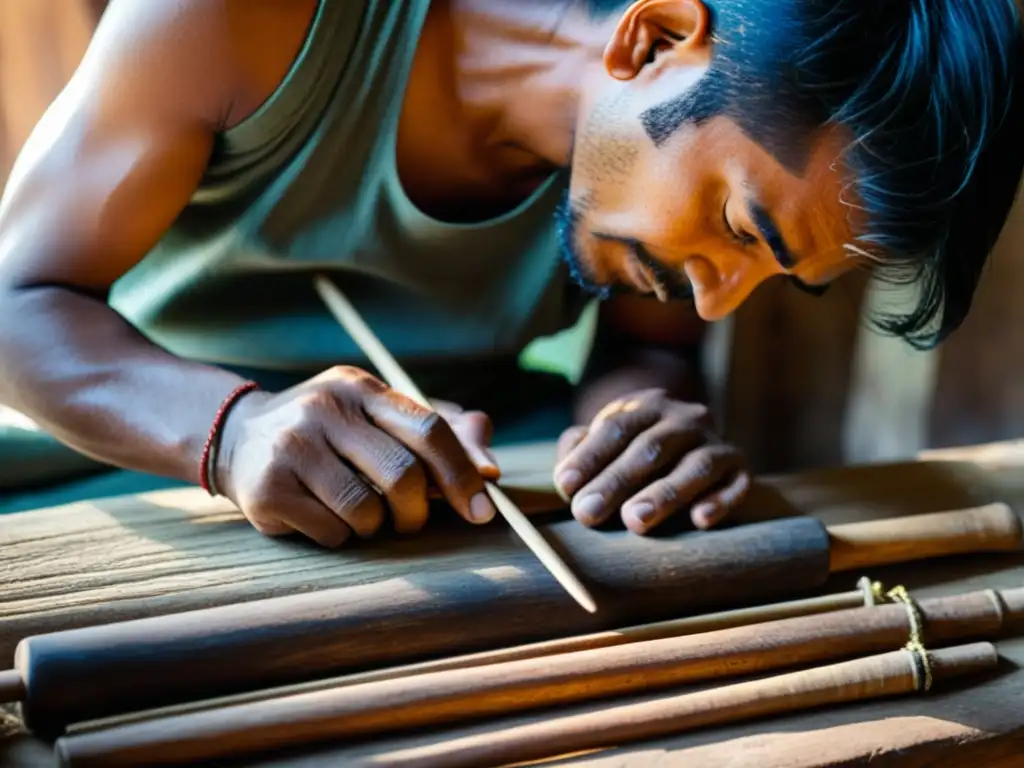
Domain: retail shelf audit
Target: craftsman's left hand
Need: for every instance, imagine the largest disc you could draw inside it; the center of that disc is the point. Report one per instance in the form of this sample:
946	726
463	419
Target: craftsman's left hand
648	457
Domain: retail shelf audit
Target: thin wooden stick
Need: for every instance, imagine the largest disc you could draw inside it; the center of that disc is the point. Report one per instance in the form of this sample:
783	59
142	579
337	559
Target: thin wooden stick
464	695
692	625
887	674
871	678
389	369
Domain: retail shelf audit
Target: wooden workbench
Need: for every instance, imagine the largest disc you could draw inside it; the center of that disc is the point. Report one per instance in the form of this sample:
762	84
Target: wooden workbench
124	558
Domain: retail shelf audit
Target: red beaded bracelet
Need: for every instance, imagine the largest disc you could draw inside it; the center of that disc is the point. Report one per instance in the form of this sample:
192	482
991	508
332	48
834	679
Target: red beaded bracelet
205	463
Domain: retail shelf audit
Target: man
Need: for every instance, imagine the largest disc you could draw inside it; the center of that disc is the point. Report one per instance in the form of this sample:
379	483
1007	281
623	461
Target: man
160	233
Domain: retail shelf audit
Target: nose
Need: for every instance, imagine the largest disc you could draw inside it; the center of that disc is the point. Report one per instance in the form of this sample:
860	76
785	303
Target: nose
720	289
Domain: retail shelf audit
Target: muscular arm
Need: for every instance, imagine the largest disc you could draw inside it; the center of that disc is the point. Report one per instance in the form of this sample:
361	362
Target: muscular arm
103	176
642	344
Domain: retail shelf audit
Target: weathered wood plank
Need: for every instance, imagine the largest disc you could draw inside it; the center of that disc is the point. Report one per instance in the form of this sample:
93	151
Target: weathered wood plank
136	556
123	558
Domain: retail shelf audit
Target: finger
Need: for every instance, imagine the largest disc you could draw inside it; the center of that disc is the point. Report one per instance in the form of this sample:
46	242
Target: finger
716	506
567	478
297	511
698	472
432	439
568	441
607	437
270	526
474	430
641	463
389	466
341	492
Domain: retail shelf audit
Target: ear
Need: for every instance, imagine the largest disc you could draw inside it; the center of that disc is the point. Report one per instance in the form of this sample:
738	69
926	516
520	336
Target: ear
650	27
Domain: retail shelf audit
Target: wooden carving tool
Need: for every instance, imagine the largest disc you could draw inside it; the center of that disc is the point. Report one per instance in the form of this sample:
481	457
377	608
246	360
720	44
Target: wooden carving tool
871	678
461	696
398	380
102	671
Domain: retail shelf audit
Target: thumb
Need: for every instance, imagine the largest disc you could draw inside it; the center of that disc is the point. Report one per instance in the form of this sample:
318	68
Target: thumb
474	431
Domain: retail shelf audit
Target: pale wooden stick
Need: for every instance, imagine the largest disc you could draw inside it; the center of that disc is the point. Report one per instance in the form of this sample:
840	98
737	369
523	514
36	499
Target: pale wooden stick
691	625
399	380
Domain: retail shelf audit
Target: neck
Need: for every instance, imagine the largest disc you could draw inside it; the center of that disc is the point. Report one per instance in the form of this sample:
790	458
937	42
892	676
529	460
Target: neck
517	73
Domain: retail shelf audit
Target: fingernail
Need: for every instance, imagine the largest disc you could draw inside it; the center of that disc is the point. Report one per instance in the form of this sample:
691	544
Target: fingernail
589	507
704	515
568	482
489	458
481	509
644	512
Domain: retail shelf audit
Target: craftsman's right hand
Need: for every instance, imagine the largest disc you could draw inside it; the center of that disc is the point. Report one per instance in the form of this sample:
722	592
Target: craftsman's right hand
336	454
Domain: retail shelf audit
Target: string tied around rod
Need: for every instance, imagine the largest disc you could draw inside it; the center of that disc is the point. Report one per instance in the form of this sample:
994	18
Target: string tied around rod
922	659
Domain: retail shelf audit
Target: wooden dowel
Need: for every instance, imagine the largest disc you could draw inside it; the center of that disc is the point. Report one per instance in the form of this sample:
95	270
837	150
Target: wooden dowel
992	527
887	674
231	649
692	625
875	677
12	687
392	373
463	695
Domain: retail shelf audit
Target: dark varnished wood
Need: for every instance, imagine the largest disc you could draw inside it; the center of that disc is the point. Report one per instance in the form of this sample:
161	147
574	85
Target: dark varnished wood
236	648
241	647
347	712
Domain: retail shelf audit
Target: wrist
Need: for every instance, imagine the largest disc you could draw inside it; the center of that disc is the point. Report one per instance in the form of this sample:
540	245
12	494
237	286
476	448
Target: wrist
678	375
213	473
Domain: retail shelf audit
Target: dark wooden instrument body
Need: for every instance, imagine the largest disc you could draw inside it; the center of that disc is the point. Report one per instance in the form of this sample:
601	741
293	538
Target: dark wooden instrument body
103	671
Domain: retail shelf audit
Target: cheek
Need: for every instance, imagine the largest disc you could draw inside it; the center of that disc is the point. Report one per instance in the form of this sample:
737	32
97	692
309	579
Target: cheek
831	270
607	148
660	202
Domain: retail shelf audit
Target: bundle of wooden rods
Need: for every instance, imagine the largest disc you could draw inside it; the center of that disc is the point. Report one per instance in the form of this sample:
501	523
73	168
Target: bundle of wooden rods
889	649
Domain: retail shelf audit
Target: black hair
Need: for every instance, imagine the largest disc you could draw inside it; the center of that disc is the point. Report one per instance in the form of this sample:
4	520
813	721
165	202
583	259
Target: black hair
932	95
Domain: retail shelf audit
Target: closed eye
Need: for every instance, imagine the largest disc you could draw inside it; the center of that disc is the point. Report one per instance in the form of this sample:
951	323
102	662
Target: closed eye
743	238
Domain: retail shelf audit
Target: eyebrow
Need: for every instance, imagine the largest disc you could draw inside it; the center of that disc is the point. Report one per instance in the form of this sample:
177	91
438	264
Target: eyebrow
770	232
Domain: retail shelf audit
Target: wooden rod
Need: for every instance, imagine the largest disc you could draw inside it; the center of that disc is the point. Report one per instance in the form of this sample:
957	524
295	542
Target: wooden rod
348	317
12	687
992	527
464	695
205	738
875	677
812	606
232	649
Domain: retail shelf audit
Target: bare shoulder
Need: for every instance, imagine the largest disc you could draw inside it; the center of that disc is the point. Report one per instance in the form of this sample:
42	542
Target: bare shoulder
121	150
217	59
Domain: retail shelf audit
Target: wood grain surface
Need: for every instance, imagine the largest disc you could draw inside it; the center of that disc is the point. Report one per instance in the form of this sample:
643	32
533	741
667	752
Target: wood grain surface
347	713
133	557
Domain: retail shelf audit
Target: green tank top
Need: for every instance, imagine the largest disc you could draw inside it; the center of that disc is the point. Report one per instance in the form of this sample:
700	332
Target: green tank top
308	184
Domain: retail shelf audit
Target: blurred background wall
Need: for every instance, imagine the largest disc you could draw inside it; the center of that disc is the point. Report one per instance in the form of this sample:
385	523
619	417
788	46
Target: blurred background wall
797	381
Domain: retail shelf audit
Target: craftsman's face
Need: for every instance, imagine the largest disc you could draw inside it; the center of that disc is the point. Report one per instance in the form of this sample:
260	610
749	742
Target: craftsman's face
706	212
